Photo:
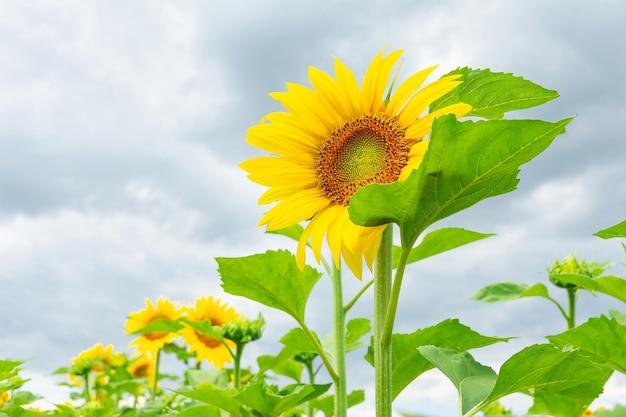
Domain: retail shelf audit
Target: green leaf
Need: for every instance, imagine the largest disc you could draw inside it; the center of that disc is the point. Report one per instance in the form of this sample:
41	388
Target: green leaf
556	405
408	363
544	367
7	365
326	403
205	327
272	279
608	284
439	241
355	330
281	364
602	337
217	377
293	232
492	94
506	291
472	380
200	411
618	316
160	325
210	394
618	230
268	403
297	340
466	162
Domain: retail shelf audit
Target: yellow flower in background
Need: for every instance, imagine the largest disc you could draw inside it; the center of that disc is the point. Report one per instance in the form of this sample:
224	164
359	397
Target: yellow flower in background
335	138
143	365
99	359
205	347
152	342
5	397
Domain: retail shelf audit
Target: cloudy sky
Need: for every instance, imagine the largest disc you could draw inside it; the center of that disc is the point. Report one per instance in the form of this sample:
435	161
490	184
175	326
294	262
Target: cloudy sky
122	125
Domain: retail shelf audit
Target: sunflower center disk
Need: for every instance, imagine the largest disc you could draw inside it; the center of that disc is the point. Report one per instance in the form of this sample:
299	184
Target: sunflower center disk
368	149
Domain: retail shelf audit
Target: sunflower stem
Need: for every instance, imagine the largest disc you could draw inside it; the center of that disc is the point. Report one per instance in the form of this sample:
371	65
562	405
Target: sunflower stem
392	306
341	405
156	373
382	348
237	364
320	351
572	295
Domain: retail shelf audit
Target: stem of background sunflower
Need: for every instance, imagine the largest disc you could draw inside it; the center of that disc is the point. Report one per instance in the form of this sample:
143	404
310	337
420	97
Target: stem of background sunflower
572	295
156	373
382	351
339	328
237	365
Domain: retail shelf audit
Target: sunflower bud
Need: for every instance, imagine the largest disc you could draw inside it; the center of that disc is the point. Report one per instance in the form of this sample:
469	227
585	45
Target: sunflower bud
571	266
243	330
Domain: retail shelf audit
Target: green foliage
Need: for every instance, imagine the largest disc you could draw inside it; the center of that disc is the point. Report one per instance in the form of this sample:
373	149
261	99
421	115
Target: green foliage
610	285
618	230
272	279
297	340
439	241
557	405
326	405
472	380
601	337
407	361
546	368
492	151
492	94
506	291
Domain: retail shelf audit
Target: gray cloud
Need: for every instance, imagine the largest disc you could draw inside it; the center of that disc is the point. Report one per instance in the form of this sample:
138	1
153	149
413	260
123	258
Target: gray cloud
121	129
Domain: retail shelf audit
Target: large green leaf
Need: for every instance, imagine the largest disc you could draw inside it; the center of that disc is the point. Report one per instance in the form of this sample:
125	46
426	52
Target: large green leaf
608	284
544	367
492	94
439	241
466	162
557	405
618	230
281	364
160	325
408	363
600	336
270	403
271	278
472	380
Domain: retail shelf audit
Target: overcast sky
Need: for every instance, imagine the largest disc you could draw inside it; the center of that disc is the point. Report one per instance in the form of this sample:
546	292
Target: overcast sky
122	125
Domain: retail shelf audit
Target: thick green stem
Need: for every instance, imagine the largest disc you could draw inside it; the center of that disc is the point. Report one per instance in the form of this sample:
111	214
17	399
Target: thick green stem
341	401
237	364
87	389
392	306
382	349
156	374
572	295
309	367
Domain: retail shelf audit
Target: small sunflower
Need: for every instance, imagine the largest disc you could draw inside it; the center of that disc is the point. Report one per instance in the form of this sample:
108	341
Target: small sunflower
143	365
152	342
99	359
207	348
336	138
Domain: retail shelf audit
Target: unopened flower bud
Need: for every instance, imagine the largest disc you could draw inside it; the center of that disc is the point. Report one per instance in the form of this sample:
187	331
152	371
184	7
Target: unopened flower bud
243	330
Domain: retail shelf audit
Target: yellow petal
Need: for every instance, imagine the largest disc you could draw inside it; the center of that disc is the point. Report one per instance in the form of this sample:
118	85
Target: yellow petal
376	80
420	101
294	209
331	94
409	87
347	81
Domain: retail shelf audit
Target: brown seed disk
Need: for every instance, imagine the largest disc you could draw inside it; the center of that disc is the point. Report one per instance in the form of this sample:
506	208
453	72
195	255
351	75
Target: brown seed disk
365	150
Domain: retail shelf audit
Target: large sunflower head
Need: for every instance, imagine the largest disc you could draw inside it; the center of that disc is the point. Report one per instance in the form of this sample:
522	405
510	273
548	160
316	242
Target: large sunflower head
152	342
205	347
335	138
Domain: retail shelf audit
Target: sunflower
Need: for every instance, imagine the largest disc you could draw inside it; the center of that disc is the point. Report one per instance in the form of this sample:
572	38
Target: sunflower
143	365
99	359
205	347
152	342
335	138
